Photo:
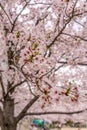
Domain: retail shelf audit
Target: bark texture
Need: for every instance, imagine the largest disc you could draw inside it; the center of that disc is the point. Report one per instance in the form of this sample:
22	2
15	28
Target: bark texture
8	120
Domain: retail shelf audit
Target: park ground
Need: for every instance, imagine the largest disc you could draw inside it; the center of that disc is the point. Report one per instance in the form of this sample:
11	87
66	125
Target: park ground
74	129
68	129
71	129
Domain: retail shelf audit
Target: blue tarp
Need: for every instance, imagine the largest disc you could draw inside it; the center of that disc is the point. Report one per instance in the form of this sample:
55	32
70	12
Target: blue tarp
38	122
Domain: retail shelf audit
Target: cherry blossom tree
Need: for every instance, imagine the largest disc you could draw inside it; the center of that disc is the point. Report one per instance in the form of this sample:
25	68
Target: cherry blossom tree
38	41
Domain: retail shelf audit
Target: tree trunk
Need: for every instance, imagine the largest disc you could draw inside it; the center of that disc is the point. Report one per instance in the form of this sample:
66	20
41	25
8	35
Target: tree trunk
8	121
8	127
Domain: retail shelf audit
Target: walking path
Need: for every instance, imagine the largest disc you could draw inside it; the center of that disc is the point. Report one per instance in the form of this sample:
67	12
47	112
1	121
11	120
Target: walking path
71	129
74	129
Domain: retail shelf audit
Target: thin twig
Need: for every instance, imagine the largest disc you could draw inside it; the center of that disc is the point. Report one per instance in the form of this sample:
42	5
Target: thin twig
6	13
19	15
13	87
26	78
74	36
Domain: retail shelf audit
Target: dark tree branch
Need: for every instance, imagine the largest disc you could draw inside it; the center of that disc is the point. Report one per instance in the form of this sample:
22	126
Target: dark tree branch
2	85
74	6
53	68
65	62
54	113
78	23
50	71
24	111
26	77
13	87
1	116
5	13
60	32
73	14
81	13
19	15
1	100
40	19
74	36
67	22
0	111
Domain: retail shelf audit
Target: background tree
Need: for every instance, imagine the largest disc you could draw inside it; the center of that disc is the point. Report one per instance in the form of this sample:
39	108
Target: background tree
36	40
